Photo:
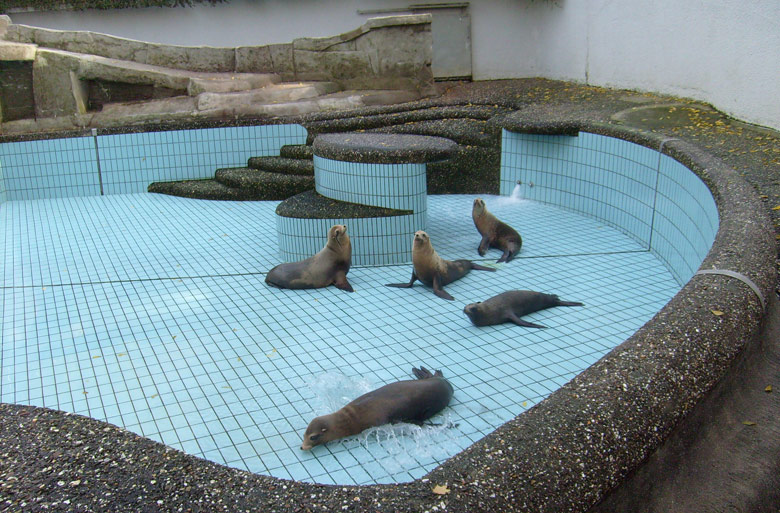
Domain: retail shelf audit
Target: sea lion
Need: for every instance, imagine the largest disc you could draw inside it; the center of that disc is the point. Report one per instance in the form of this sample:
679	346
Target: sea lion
414	400
510	306
495	233
329	266
434	271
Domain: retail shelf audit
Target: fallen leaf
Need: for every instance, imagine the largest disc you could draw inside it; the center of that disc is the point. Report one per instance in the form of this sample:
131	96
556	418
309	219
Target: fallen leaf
440	490
748	423
716	312
768	389
776	208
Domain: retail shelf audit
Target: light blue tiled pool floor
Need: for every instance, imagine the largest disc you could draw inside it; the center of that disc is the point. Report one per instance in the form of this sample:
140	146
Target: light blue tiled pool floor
150	312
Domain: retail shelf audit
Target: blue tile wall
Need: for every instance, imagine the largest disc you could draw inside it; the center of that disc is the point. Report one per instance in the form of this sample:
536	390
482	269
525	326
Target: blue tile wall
375	240
53	168
130	162
3	196
686	219
398	186
60	168
647	195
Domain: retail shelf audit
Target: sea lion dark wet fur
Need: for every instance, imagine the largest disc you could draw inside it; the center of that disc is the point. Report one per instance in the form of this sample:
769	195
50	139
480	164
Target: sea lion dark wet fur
328	267
495	233
510	306
434	271
414	401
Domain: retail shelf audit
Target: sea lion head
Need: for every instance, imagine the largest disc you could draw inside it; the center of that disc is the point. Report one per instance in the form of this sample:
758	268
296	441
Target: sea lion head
338	234
479	207
474	312
320	431
421	239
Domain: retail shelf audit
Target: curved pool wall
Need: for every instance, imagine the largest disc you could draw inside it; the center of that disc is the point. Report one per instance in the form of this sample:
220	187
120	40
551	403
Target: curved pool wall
586	437
640	191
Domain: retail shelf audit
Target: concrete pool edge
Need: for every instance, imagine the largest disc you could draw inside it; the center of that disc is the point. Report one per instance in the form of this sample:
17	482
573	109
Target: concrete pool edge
546	470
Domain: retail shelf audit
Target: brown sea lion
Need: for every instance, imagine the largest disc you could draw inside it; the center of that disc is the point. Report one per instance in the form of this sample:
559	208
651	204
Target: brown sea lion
434	271
329	266
510	306
414	400
495	233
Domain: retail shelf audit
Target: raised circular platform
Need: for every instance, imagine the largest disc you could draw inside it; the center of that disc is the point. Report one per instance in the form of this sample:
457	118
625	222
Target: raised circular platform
384	148
380	171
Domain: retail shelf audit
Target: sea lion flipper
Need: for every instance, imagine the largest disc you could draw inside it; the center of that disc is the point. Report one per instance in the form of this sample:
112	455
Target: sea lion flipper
423	373
517	320
341	282
484	244
439	291
403	285
478	267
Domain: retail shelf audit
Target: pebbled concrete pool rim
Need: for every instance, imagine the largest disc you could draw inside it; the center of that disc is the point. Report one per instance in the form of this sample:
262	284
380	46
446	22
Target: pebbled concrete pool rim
564	454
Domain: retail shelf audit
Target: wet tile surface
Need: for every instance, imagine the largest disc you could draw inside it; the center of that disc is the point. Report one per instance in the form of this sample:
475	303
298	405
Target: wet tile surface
150	312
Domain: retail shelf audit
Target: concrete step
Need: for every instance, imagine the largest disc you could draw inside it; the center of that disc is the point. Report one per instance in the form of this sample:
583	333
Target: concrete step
282	165
278	93
265	184
246	104
233	82
297	151
343	100
95	67
249	185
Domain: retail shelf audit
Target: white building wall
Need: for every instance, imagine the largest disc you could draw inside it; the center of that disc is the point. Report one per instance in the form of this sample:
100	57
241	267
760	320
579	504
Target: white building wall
726	52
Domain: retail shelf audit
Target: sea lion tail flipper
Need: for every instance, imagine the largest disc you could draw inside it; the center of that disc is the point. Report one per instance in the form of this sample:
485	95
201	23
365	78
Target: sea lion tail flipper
569	303
478	267
439	291
509	254
422	373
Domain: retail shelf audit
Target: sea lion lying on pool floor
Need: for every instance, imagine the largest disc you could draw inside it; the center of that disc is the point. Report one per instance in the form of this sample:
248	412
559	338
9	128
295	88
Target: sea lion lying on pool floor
329	266
434	271
414	400
510	306
495	233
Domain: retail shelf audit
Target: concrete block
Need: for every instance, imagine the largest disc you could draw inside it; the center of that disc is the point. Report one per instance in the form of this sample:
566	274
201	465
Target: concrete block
16	51
254	59
53	83
338	66
282	59
5	21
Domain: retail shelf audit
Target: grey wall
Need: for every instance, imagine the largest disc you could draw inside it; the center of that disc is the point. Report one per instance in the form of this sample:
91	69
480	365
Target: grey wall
725	53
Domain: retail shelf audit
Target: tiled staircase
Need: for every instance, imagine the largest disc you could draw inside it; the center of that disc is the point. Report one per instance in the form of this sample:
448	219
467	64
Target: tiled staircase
263	178
292	172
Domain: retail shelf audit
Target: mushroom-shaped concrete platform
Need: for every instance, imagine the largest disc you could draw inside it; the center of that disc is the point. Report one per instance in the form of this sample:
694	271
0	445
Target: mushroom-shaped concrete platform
373	183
